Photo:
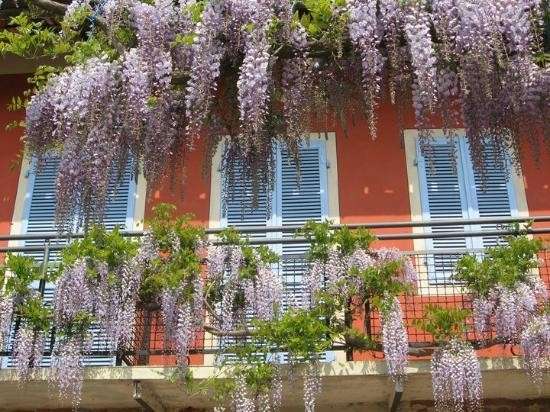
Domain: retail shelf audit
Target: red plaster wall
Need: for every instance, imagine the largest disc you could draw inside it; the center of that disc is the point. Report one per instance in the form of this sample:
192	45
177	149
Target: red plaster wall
372	180
536	176
372	173
189	189
10	148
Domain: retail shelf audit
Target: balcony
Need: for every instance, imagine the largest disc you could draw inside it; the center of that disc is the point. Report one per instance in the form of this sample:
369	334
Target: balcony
138	377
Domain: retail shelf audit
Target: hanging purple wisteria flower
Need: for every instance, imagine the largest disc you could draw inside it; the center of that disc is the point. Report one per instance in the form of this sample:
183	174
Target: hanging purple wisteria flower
364	33
28	349
395	340
6	312
73	295
312	386
417	30
68	365
511	308
535	343
456	378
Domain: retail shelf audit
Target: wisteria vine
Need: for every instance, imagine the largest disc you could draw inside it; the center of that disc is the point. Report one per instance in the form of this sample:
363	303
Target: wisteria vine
230	289
152	81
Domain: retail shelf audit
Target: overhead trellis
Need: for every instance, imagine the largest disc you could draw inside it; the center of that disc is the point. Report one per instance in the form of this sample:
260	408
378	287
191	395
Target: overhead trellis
148	80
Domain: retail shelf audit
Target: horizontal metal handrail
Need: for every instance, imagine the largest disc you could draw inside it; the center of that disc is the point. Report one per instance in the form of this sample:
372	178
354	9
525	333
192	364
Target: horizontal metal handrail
300	240
294	228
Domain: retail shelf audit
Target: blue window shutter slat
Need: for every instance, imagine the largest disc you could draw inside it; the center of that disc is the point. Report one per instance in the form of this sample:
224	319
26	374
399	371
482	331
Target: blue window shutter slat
238	204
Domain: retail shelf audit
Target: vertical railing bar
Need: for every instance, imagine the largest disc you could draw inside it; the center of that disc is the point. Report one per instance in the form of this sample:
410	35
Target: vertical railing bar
45	263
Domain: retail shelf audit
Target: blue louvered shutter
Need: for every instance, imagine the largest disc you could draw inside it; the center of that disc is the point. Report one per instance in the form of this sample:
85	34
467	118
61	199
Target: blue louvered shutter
492	194
303	197
303	194
238	207
444	196
39	217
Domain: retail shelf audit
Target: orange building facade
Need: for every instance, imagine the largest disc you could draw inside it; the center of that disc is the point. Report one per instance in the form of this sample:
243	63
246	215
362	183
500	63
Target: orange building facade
368	181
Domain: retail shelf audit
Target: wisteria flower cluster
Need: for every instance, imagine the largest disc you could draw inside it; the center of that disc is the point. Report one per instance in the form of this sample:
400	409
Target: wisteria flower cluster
98	284
344	266
535	342
456	377
509	297
244	278
171	74
511	308
6	312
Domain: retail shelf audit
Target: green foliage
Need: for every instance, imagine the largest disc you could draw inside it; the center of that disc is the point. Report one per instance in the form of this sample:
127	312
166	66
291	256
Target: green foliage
17	274
379	282
357	340
184	39
348	240
322	239
32	38
35	313
253	365
178	263
300	332
324	20
42	75
95	46
504	265
100	245
79	326
319	236
27	38
444	324
195	10
253	256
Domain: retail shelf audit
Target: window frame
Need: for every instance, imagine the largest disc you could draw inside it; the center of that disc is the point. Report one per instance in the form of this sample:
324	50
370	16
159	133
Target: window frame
330	207
518	201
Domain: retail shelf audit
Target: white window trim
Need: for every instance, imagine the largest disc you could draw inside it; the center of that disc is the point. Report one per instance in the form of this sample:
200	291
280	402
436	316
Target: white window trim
518	201
24	195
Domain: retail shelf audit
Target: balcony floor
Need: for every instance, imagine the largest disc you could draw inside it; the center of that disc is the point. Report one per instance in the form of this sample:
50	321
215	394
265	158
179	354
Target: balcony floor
347	386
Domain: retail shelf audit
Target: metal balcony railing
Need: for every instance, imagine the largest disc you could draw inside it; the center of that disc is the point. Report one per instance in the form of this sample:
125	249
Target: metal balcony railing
435	286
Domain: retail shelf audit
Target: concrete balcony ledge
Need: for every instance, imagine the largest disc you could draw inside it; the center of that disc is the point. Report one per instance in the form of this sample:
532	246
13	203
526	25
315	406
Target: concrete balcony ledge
347	386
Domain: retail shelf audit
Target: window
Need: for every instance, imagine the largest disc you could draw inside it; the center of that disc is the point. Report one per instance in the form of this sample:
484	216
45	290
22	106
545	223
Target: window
450	188
295	198
38	216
